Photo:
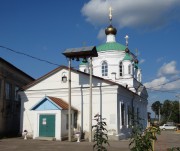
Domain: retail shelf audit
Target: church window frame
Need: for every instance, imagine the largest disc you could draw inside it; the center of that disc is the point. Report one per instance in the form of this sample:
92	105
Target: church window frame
8	91
104	68
120	69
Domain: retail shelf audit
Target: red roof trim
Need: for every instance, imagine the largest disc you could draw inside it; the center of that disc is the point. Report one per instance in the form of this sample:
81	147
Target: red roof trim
64	105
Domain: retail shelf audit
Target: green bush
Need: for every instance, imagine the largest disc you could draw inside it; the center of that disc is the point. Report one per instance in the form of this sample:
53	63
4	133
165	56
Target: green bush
142	140
100	133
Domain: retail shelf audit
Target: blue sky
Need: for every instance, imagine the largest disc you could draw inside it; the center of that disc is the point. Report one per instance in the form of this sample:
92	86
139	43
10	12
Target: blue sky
45	28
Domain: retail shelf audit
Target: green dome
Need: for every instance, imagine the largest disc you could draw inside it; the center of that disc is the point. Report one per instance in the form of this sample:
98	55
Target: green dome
136	66
111	46
127	57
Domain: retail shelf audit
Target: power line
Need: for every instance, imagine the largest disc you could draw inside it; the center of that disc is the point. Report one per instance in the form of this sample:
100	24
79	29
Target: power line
27	55
163	91
164	83
46	61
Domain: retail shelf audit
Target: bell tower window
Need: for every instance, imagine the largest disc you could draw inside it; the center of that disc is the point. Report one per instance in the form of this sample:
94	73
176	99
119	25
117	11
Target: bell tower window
129	69
104	68
120	69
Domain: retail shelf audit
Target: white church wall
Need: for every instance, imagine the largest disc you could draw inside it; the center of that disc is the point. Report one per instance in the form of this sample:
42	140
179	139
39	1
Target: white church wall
79	96
113	58
63	121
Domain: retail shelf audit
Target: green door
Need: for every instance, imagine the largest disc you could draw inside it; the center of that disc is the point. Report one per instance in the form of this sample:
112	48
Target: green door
47	125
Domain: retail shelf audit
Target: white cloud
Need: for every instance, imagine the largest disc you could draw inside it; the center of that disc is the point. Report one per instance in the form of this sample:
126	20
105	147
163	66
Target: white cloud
168	69
172	85
163	83
168	78
150	14
156	83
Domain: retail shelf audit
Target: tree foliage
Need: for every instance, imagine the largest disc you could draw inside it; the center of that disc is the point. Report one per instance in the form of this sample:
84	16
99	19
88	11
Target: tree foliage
155	107
142	139
169	110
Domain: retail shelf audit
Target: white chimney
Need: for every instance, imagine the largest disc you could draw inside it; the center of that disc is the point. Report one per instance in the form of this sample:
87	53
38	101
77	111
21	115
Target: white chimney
113	76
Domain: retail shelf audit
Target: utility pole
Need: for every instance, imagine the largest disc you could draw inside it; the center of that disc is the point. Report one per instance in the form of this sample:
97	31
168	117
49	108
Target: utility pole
84	53
69	98
90	102
159	113
178	96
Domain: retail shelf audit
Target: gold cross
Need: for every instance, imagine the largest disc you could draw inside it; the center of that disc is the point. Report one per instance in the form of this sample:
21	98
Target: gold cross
110	13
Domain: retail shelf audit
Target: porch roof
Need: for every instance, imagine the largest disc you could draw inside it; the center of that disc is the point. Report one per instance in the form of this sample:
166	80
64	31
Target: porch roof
52	103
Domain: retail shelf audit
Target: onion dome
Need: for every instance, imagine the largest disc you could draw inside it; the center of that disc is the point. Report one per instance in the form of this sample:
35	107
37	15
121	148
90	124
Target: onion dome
127	50
136	61
110	30
136	66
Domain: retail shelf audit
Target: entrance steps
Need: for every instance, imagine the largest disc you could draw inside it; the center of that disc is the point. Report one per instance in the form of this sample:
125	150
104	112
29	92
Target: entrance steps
46	138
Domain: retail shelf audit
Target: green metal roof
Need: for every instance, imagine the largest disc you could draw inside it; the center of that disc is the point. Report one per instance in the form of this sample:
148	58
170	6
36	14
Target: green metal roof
127	57
111	46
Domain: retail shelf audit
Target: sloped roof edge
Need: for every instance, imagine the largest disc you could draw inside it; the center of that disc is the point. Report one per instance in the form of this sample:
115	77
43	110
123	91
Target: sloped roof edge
59	103
15	68
60	68
72	70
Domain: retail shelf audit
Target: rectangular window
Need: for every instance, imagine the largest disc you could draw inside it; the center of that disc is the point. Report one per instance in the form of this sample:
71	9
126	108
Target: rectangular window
129	115
67	121
120	69
129	69
16	94
75	120
104	69
122	113
8	91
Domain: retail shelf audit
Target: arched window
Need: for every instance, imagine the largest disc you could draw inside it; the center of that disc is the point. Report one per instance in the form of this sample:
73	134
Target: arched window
129	69
104	68
120	69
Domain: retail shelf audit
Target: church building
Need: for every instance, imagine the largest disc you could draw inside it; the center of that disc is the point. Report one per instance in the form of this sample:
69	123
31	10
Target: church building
117	93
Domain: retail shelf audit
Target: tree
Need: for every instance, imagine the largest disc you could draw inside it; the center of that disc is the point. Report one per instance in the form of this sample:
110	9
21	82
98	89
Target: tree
169	111
142	139
175	116
155	107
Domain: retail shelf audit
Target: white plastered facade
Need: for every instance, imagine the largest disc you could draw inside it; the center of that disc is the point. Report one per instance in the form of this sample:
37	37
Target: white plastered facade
107	98
113	96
